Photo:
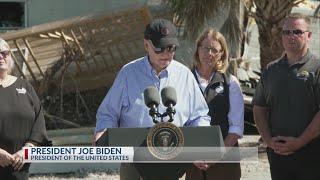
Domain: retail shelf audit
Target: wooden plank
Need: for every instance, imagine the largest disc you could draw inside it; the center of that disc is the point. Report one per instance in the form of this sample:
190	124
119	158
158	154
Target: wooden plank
53	35
121	54
48	48
118	39
114	41
76	41
66	36
33	56
50	61
25	61
94	40
44	36
43	42
111	55
72	52
79	47
88	47
102	41
44	55
129	50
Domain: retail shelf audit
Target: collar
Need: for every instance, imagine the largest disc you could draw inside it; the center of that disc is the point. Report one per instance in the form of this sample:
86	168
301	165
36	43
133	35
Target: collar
200	78
301	61
8	81
152	72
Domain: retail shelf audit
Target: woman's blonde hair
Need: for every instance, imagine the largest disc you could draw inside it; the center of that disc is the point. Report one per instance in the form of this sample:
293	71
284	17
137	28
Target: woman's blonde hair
220	65
5	46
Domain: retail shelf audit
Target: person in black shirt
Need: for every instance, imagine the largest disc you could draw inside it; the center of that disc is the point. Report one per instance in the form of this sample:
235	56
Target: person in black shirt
286	105
223	95
21	119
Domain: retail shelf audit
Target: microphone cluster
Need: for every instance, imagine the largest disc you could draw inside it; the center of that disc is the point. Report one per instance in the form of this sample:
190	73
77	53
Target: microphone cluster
152	100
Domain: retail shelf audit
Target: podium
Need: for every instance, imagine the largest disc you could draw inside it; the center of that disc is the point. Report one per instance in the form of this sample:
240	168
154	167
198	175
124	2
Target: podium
208	136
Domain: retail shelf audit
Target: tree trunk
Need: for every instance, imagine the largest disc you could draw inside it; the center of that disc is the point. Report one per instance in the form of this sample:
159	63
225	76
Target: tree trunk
269	15
270	44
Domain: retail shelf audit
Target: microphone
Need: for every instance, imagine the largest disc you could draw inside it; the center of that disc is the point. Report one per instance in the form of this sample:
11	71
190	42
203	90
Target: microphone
152	100
169	99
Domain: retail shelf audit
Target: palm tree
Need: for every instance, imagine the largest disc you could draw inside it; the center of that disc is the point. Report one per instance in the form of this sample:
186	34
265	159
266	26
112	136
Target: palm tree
193	15
268	15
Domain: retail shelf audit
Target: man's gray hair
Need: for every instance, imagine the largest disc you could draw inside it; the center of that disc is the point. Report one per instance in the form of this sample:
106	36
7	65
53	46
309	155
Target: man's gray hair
298	16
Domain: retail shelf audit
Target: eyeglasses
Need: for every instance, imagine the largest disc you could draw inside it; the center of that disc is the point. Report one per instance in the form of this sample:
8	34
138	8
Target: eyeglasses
170	49
293	32
208	49
5	53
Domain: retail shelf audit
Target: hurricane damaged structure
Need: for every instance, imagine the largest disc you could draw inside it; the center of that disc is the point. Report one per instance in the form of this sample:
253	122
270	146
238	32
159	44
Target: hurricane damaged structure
79	53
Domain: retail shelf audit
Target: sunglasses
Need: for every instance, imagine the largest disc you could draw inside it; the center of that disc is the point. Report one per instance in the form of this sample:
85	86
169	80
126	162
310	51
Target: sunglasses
5	53
170	49
293	32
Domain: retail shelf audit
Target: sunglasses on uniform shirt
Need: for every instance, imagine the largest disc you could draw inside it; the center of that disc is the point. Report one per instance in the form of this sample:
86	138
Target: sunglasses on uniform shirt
294	32
5	53
170	49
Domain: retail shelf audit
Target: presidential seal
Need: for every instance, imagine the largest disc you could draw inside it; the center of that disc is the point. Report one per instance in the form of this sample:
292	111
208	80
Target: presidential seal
165	141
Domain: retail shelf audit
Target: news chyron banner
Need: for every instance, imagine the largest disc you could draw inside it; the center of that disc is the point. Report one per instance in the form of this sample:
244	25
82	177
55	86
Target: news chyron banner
156	154
77	154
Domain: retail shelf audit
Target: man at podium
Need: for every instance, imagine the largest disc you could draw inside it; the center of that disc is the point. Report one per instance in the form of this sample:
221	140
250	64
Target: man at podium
124	106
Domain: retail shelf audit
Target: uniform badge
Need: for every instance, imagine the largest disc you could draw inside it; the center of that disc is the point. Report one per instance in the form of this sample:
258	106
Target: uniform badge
219	89
303	75
21	90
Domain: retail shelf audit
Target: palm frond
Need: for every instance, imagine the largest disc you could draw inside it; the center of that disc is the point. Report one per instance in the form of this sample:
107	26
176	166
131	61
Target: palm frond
317	12
231	29
194	13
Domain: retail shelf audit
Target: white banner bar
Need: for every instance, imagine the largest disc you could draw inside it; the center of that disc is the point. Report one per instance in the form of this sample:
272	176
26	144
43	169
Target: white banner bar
78	154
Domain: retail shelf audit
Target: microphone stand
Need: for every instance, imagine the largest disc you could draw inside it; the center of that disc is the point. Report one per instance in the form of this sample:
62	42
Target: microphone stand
170	111
204	175
153	112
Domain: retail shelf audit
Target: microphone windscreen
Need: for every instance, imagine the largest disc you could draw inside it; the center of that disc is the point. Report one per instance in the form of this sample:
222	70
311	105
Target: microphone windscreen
151	96
169	96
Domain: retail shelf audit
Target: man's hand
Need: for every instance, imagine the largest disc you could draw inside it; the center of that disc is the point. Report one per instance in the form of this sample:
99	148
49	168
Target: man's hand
287	145
231	139
96	136
271	142
202	165
5	158
17	162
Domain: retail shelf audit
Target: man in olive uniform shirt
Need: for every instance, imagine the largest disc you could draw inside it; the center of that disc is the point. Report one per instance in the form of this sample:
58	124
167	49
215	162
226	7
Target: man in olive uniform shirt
286	105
